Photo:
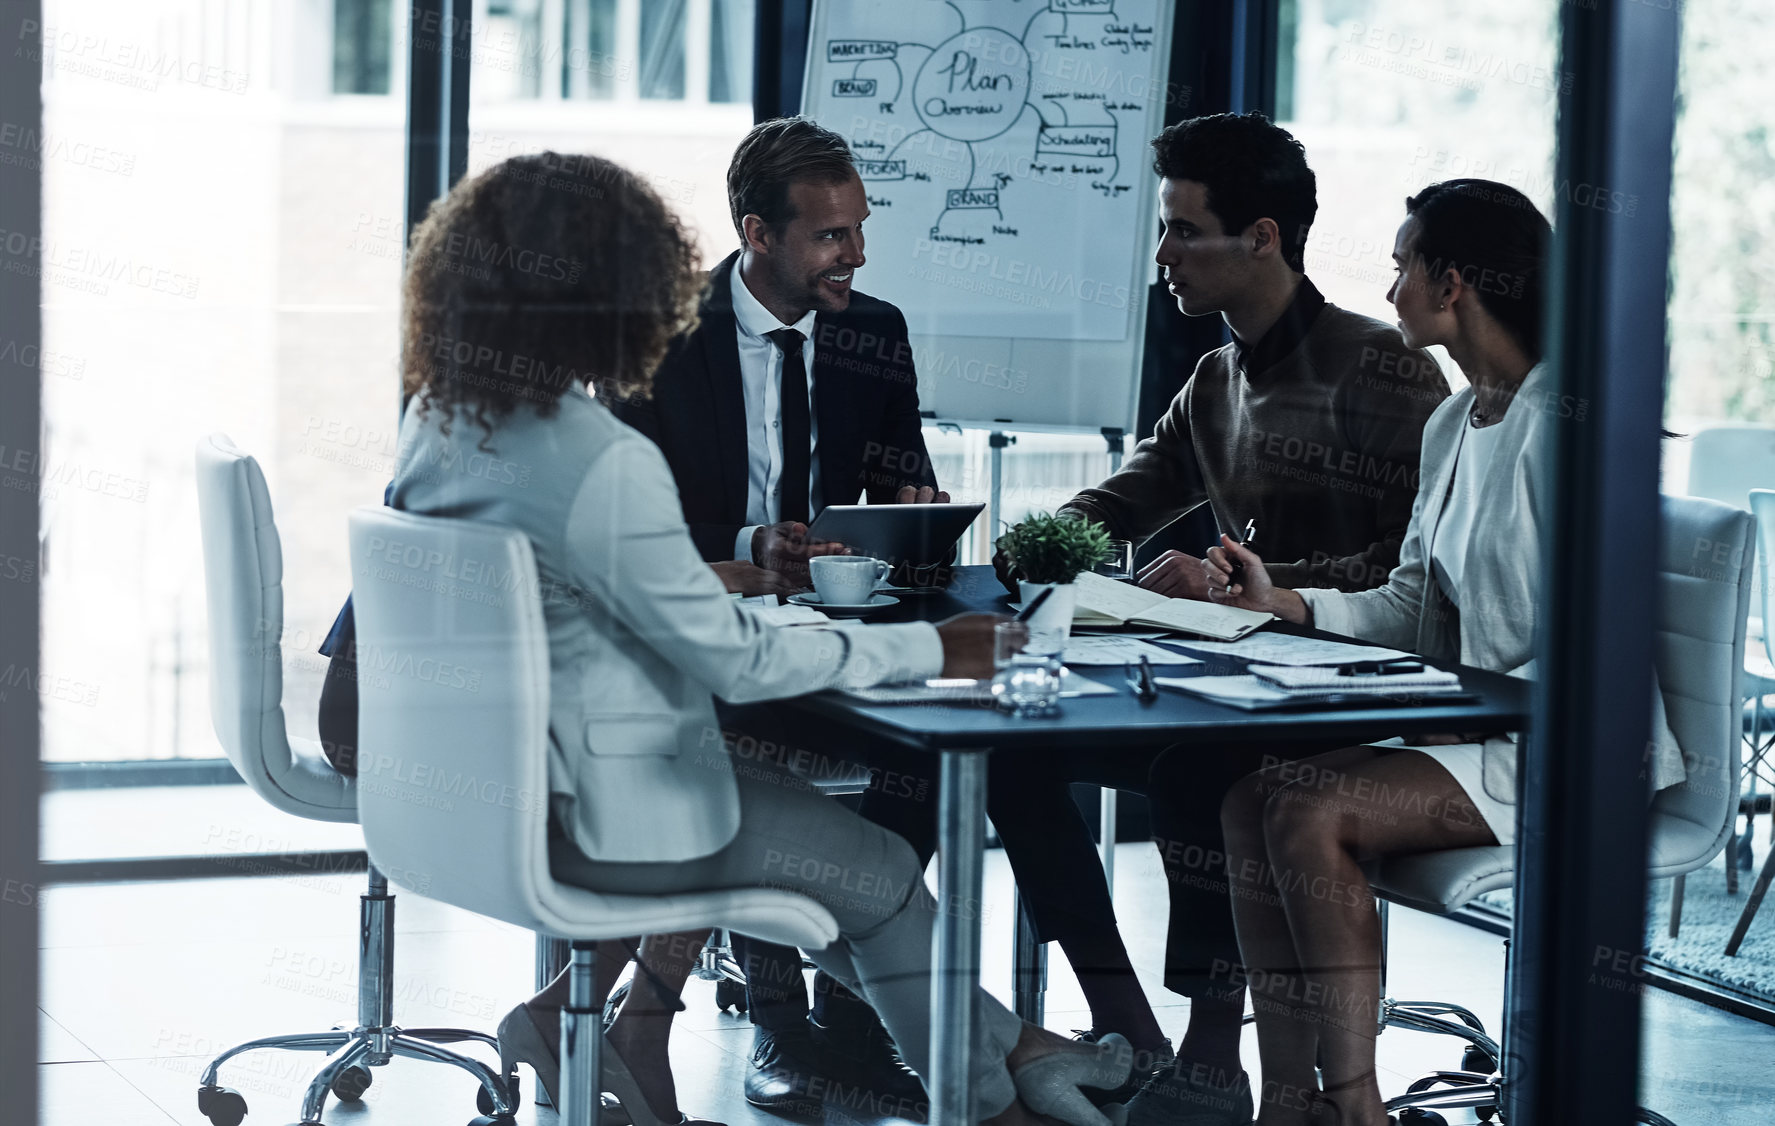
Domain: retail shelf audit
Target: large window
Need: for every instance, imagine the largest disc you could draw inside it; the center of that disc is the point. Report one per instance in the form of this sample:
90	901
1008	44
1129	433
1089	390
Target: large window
1391	95
224	234
222	253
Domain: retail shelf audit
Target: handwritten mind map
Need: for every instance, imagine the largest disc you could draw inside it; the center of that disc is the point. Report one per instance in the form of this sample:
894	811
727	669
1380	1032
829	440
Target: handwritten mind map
1003	145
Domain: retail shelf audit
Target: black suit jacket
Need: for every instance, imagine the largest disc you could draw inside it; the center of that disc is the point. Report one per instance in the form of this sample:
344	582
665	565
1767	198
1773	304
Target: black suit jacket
865	410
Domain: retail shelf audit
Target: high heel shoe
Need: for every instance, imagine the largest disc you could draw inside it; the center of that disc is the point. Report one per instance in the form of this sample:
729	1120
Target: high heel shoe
522	1040
1049	1084
1320	1103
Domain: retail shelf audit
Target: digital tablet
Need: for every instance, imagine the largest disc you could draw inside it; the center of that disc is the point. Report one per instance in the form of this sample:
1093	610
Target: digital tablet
899	533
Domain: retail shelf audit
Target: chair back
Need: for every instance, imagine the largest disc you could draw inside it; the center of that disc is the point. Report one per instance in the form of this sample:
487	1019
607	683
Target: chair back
243	585
453	742
1762	509
1727	462
453	738
1705	570
1704	581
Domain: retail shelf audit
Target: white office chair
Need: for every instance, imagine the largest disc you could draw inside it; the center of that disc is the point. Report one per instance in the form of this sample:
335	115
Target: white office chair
1726	462
1762	506
1699	650
243	570
453	771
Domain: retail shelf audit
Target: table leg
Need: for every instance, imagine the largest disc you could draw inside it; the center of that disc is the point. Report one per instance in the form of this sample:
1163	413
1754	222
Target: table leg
1029	968
955	969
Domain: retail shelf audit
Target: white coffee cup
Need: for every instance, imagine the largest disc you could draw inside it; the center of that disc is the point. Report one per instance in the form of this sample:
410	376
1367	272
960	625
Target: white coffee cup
846	580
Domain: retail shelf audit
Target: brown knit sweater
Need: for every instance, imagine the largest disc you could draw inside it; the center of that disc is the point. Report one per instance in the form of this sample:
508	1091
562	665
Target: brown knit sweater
1314	433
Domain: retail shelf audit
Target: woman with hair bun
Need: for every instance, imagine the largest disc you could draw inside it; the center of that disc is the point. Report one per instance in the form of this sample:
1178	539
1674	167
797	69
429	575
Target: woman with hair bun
1471	258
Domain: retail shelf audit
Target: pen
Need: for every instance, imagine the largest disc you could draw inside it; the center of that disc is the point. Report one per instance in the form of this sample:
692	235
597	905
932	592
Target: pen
1238	569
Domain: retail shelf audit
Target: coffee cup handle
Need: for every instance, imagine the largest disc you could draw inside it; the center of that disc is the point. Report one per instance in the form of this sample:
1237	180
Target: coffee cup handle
882	567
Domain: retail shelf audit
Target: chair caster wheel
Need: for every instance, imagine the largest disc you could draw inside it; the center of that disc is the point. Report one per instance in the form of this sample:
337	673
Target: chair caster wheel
349	1085
495	1120
1478	1059
484	1098
223	1106
730	994
1417	1116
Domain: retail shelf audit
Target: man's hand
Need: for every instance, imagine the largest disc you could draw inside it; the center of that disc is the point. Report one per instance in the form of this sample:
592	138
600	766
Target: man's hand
967	644
1175	575
741	577
1254	590
920	495
1007	574
785	549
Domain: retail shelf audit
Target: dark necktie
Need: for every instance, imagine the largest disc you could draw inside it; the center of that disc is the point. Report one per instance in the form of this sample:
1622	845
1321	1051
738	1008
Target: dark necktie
796	432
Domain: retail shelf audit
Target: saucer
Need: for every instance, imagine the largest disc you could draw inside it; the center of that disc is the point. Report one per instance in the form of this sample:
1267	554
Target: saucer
853	610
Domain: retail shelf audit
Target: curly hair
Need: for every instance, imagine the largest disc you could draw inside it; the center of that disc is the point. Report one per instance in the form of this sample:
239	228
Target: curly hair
539	272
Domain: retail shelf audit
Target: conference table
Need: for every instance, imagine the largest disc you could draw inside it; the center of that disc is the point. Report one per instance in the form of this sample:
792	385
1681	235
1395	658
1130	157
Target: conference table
963	736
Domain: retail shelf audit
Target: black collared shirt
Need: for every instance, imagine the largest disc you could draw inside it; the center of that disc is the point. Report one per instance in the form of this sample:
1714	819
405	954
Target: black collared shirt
1285	335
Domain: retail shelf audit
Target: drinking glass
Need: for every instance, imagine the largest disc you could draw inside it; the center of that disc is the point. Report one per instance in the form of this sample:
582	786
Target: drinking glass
1120	563
1028	664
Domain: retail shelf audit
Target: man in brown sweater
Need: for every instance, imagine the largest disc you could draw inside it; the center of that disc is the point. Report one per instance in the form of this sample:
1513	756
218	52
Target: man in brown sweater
1308	426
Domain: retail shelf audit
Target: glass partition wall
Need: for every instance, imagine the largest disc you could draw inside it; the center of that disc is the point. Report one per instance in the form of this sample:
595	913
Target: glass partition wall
223	233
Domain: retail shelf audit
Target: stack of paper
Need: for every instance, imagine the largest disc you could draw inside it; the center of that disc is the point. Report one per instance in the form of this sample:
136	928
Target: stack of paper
1117	650
1314	681
1104	601
1317	686
1292	649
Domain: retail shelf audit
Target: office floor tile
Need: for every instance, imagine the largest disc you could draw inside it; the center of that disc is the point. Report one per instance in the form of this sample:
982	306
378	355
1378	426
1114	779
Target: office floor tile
153	978
94	1093
55	1044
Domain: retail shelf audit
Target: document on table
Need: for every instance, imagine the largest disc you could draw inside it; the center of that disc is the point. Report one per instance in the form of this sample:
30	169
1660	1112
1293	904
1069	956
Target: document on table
1253	694
785	615
1104	601
1119	649
1289	649
952	691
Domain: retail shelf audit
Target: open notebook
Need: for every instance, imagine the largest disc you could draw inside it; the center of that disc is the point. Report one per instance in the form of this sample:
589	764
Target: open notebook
1106	602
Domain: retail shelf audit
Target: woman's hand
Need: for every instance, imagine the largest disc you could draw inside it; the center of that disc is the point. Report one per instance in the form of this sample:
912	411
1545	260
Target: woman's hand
741	577
1253	590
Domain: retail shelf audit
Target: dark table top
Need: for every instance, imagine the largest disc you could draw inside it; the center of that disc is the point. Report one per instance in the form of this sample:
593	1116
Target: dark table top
1121	720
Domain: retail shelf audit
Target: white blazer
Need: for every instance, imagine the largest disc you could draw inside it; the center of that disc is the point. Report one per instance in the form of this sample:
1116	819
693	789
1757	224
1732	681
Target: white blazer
641	633
1502	573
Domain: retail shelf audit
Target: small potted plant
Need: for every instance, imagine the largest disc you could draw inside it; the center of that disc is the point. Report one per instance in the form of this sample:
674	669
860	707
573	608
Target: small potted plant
1045	551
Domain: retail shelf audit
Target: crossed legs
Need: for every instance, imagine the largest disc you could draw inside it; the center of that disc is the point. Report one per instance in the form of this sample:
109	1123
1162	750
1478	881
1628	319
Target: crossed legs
1297	834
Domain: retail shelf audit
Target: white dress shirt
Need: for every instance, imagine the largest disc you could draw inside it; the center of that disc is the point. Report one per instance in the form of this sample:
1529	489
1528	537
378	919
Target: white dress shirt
761	383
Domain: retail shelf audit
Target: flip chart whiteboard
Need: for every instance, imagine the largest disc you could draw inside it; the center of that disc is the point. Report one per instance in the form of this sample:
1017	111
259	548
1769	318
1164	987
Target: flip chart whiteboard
1004	148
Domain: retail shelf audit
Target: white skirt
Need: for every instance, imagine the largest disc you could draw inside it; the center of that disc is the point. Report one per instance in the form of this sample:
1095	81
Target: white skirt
1466	762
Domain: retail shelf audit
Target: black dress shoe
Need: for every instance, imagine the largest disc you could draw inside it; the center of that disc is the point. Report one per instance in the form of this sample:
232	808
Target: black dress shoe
787	1072
872	1080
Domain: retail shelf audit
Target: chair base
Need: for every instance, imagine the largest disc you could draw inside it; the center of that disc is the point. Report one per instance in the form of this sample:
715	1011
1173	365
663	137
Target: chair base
359	1049
1475	1090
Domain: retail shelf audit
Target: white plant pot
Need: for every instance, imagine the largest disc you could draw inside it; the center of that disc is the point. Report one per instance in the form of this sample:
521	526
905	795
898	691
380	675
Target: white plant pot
1056	612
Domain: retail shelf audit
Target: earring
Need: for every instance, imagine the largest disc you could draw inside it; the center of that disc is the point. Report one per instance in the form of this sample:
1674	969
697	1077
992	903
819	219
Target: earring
1442	307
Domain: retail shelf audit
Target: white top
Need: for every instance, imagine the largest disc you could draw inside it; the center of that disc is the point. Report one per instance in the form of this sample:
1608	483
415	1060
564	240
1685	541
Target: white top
761	382
1448	555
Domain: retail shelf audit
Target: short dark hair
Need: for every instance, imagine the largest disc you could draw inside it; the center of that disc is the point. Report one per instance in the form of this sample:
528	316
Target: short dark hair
775	154
1252	170
1493	236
